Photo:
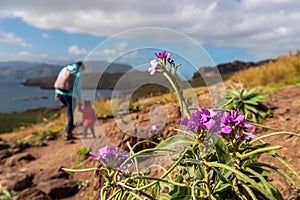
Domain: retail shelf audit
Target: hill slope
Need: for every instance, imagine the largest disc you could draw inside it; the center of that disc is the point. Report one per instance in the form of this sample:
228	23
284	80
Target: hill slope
286	118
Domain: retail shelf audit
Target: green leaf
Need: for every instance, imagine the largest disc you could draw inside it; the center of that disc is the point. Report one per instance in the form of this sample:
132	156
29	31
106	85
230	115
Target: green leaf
272	134
251	108
180	193
252	102
175	141
245	101
167	185
201	171
261	171
275	192
249	191
222	188
234	92
257	152
164	196
262	180
241	176
224	157
223	152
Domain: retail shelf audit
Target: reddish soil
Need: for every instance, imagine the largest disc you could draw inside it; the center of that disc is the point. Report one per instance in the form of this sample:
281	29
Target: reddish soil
286	107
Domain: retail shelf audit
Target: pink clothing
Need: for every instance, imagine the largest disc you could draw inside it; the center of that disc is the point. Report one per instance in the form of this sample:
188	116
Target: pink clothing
88	116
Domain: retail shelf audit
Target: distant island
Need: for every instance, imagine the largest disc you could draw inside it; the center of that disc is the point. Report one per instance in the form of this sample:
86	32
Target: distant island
27	70
100	80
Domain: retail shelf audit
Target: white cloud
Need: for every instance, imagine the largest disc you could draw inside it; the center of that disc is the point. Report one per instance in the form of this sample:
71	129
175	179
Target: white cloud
45	35
75	50
264	28
115	51
110	54
12	39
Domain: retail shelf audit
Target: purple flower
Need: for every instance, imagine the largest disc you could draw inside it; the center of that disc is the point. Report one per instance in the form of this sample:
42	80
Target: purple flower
200	118
163	54
112	157
155	127
154	66
248	137
234	122
218	122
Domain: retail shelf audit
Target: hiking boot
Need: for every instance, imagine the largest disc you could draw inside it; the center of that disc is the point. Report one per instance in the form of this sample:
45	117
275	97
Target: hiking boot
68	136
70	141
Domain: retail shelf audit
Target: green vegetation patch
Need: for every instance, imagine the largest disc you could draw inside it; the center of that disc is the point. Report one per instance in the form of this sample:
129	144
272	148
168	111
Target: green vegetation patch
10	121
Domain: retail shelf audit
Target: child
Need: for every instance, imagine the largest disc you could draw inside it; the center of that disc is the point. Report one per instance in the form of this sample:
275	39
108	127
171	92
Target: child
88	118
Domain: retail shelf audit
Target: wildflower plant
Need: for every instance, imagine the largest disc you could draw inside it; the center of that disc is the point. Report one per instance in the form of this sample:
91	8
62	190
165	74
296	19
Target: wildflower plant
219	159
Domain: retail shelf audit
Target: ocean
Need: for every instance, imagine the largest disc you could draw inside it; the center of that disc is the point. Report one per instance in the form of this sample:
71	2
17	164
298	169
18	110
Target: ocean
18	98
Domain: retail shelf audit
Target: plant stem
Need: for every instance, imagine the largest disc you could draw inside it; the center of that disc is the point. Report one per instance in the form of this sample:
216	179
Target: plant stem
183	106
79	170
154	182
174	165
260	150
161	180
272	134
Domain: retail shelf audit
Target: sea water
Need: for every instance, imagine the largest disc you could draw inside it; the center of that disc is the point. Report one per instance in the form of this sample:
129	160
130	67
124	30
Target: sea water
14	97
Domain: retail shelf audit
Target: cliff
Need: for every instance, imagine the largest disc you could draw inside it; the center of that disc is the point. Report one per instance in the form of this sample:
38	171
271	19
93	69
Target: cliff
227	68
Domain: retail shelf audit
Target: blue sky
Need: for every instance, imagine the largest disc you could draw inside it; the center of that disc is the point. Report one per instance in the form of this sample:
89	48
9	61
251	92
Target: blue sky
201	32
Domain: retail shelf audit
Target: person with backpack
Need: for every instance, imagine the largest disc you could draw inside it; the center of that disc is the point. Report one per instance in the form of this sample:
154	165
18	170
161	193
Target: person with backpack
68	91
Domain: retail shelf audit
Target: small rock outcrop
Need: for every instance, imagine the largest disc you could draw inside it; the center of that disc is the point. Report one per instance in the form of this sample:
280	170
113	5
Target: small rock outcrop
38	184
15	179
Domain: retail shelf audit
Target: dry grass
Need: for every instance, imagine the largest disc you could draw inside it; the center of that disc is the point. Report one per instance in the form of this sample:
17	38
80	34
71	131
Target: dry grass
285	70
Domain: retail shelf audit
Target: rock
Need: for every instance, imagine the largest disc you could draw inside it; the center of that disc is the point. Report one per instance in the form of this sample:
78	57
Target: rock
229	67
48	174
4	153
43	144
4	145
59	188
33	194
19	159
12	178
50	137
17	150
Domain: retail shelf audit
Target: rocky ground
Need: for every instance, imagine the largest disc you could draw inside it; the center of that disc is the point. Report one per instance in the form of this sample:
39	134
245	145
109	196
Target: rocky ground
36	171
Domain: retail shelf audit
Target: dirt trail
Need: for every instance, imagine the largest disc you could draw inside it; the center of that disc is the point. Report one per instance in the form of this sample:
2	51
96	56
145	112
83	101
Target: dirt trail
55	155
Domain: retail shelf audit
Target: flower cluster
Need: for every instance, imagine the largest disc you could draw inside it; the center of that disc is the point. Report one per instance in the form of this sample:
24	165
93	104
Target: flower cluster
155	65
199	119
217	123
112	157
234	122
163	54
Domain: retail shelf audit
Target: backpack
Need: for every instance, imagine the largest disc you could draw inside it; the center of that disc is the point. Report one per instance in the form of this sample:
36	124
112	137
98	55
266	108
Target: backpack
65	80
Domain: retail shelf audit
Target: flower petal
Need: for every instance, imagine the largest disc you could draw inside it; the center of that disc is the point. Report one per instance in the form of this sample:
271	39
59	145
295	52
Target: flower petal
94	156
226	129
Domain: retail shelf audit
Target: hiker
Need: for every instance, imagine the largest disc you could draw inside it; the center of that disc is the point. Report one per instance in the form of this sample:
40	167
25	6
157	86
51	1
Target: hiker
69	95
89	118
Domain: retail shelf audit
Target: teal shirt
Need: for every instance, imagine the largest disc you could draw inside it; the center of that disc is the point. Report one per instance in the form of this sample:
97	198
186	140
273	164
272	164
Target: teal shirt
76	90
